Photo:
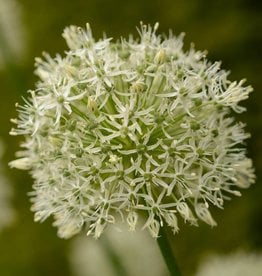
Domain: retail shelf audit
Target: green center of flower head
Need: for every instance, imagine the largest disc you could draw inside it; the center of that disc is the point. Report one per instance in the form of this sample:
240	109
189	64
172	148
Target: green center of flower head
118	129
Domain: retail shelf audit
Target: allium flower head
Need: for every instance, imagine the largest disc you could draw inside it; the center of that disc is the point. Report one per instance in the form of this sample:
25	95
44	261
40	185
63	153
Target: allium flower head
130	127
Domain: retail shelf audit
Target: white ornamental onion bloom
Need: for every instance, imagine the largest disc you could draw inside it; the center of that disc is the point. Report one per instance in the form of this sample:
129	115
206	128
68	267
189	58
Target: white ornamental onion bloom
6	211
136	252
131	127
235	264
12	33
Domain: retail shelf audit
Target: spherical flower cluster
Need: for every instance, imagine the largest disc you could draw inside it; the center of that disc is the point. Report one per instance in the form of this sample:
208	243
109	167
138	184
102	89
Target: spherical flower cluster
122	128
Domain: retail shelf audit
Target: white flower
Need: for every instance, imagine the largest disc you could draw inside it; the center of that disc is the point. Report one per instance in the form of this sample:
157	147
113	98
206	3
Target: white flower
235	264
21	163
131	127
12	34
136	252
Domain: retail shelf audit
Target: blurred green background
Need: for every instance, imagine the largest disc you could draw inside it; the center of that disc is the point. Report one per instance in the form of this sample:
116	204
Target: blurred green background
229	30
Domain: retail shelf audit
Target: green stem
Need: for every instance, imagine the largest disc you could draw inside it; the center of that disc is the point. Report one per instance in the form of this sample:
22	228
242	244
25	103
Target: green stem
167	253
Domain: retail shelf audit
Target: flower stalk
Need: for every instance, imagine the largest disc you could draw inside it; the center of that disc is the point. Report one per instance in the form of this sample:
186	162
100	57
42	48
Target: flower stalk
167	253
